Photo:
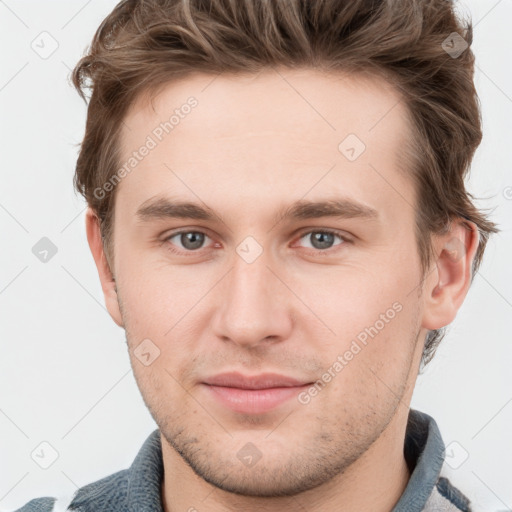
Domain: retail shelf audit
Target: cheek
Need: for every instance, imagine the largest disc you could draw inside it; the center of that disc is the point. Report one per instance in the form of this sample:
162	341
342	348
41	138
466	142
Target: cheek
372	317
162	309
371	364
351	299
155	294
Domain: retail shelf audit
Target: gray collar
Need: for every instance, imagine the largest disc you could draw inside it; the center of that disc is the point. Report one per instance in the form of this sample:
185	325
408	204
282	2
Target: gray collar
424	452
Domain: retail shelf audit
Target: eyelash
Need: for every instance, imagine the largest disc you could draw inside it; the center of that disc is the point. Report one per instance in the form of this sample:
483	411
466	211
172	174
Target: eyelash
344	239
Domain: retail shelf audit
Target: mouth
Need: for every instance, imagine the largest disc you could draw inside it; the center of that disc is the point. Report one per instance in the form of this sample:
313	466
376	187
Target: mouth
253	394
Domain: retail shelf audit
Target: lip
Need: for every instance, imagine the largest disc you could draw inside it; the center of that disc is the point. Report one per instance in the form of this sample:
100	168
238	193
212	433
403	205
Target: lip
262	381
253	394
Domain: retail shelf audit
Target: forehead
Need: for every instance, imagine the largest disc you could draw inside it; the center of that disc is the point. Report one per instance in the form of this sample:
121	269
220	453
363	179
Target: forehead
281	98
275	132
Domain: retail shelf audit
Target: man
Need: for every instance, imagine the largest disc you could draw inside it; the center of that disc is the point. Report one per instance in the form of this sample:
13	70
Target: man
278	216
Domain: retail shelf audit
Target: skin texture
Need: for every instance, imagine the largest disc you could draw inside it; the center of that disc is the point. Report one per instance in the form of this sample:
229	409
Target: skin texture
252	146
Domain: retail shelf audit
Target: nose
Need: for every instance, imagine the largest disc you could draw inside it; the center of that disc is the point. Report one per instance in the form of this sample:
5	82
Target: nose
253	306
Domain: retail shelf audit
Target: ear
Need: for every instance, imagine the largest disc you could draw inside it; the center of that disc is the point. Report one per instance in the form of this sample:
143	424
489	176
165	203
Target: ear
108	284
447	285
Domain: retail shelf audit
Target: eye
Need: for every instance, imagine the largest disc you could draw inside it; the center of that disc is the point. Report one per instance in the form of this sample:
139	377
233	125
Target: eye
189	240
323	239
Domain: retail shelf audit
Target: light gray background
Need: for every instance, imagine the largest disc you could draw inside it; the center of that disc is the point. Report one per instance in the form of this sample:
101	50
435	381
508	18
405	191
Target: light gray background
65	376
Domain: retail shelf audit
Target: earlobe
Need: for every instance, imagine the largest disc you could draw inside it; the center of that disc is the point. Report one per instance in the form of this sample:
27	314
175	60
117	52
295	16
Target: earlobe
107	279
447	286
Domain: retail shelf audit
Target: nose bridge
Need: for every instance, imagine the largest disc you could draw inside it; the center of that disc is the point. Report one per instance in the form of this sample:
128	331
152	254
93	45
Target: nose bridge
251	305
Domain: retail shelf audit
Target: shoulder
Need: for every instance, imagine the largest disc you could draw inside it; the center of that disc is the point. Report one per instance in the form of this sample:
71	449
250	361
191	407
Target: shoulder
446	497
124	490
38	505
94	496
452	494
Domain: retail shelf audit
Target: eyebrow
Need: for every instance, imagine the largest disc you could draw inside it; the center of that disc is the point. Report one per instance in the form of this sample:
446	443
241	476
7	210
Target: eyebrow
342	208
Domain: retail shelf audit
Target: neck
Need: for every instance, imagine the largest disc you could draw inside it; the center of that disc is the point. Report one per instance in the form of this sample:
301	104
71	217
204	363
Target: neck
375	481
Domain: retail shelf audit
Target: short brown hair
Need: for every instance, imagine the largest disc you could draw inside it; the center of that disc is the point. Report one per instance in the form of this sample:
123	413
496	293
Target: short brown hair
144	44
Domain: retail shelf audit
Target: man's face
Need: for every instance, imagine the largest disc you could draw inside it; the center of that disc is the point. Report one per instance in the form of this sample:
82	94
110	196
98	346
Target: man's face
252	291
